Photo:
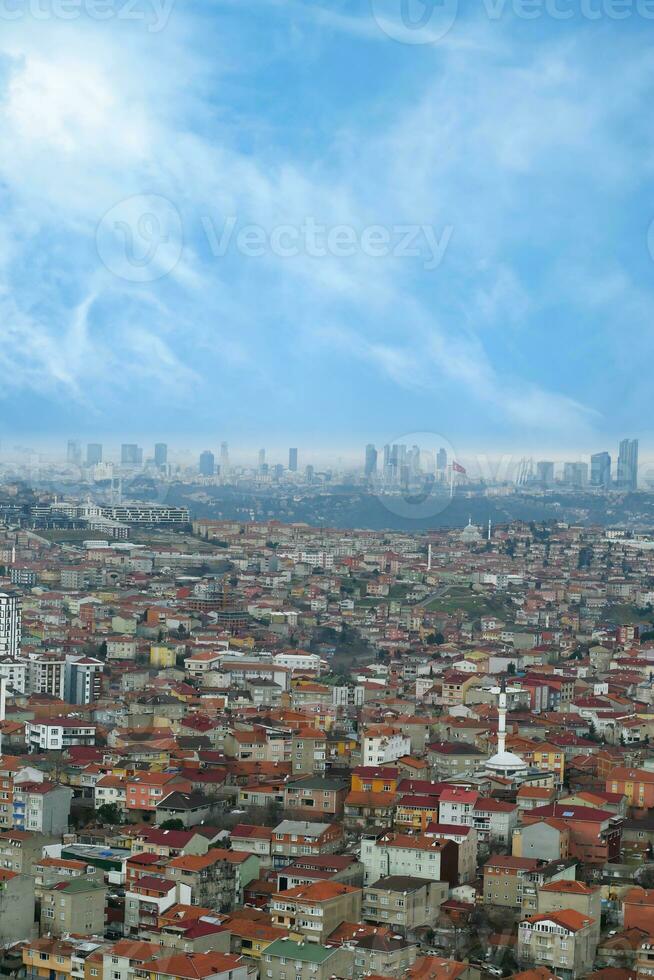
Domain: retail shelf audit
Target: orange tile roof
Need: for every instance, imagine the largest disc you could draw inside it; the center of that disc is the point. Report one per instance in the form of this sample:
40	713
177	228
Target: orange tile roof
568	918
319	891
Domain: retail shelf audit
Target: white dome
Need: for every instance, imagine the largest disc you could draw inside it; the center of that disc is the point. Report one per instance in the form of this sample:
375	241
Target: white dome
506	763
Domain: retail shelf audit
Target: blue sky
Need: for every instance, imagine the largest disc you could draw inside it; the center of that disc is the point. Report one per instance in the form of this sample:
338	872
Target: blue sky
129	145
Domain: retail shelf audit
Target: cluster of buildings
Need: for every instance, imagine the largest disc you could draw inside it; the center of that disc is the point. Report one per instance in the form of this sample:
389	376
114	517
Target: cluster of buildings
277	752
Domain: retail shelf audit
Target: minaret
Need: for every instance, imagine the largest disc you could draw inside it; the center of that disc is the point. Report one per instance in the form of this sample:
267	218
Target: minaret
501	711
429	558
489	528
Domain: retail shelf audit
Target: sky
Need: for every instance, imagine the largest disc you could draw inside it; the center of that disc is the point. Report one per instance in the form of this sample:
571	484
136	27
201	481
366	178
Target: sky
323	224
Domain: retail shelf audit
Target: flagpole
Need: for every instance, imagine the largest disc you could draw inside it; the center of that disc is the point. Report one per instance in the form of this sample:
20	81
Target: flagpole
451	481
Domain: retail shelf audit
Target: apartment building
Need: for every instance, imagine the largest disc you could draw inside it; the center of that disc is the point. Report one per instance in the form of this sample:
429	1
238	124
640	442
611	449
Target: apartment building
316	910
466	840
41	807
382	744
562	941
555	896
636	784
417	855
16	905
20	849
297	838
313	795
404	902
58	734
120	961
309	751
286	959
595	835
146	790
146	900
76	906
254	840
215	879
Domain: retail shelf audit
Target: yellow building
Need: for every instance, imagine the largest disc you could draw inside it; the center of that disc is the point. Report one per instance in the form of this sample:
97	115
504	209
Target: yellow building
368	782
162	657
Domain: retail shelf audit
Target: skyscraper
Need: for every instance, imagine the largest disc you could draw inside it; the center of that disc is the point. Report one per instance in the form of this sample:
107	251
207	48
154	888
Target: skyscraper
545	473
292	460
207	463
575	474
600	470
160	454
131	454
262	459
74	453
93	453
371	460
628	464
224	459
441	459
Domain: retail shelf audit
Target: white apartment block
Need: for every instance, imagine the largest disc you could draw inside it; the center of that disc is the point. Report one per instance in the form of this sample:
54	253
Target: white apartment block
383	744
298	661
10	624
58	734
15	673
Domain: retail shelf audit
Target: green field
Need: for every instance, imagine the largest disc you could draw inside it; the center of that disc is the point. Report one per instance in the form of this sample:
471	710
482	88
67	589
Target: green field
472	603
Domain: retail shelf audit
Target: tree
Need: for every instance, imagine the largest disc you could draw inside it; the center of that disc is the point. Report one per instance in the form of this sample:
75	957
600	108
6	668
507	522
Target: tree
511	669
109	813
173	824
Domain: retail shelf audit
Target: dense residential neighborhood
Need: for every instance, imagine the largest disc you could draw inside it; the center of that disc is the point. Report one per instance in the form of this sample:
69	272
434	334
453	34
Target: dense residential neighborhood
234	751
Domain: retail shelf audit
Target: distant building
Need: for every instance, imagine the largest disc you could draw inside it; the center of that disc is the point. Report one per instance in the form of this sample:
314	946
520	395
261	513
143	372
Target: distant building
628	465
93	453
600	470
131	454
575	474
207	463
292	460
74	453
371	460
160	454
545	473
